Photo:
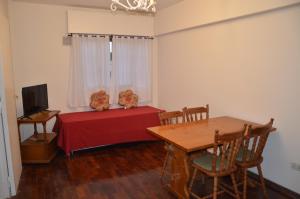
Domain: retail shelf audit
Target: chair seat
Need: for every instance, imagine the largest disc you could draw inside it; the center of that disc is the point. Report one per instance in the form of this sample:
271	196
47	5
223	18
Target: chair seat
205	161
219	163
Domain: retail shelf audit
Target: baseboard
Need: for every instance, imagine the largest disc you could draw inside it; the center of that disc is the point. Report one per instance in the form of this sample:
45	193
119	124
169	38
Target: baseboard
276	187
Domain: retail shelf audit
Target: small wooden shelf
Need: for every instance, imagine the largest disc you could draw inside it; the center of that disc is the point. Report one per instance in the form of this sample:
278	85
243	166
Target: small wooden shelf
37	150
40	147
39	139
40	117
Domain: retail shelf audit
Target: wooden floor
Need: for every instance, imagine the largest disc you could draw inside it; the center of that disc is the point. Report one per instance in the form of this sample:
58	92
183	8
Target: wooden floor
130	171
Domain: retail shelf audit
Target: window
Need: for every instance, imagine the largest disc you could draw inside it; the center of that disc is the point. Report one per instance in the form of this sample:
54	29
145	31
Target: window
113	64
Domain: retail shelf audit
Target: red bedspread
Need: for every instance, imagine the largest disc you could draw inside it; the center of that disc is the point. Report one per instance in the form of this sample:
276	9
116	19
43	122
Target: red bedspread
90	129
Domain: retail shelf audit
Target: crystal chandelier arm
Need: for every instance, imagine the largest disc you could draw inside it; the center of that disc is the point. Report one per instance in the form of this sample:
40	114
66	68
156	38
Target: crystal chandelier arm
143	4
151	3
134	5
114	4
137	2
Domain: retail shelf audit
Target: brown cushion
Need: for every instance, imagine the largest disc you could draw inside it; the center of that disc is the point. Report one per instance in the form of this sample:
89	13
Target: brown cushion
99	101
128	99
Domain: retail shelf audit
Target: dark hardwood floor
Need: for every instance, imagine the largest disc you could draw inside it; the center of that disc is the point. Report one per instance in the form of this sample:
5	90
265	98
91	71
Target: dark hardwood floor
130	171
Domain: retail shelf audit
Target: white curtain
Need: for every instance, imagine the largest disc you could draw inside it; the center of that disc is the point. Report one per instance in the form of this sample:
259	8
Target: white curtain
132	59
90	68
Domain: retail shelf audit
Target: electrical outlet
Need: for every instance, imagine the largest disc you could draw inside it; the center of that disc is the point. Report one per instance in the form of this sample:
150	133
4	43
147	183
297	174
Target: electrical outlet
295	166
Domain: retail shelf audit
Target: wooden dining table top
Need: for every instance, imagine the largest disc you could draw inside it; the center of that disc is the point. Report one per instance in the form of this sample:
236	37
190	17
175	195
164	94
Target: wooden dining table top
199	135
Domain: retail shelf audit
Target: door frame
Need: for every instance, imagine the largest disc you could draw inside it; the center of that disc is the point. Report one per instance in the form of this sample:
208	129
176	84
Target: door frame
11	181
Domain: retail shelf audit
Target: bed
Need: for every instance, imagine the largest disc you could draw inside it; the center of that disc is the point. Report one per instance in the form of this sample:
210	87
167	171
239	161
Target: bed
81	130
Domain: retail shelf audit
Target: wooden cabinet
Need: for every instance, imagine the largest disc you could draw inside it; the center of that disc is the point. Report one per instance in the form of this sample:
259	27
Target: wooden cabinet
40	147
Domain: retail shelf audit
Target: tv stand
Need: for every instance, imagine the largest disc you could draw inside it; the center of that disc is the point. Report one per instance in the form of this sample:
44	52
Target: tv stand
24	117
40	147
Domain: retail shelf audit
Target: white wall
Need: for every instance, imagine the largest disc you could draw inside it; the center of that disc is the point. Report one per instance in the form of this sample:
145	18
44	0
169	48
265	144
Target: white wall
193	13
5	53
41	54
248	68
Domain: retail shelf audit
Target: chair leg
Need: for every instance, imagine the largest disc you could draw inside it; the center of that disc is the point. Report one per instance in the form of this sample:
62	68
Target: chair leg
202	179
262	181
239	175
245	177
215	189
193	179
235	186
164	166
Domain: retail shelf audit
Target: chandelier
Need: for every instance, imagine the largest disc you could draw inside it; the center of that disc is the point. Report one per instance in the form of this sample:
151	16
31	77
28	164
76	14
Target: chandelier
143	5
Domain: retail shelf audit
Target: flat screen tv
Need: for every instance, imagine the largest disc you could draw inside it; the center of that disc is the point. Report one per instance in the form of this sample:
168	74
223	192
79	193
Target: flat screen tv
35	99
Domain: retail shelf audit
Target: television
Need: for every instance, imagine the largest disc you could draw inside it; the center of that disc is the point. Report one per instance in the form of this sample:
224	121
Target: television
35	99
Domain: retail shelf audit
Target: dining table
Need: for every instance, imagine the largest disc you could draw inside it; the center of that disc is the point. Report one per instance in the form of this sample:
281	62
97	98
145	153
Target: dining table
191	138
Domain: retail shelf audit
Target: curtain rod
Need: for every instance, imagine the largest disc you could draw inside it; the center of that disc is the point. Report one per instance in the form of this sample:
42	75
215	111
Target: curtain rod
110	35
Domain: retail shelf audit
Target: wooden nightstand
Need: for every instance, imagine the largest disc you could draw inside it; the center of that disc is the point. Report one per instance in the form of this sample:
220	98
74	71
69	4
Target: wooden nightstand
40	147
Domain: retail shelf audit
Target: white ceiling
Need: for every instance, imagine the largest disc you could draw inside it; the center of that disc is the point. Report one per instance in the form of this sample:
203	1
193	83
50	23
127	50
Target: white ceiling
96	3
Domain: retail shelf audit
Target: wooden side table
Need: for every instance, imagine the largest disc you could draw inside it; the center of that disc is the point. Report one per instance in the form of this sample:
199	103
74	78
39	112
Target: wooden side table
40	147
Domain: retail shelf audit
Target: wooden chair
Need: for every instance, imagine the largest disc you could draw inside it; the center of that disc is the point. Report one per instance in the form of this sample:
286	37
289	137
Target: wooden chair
250	154
168	118
196	114
219	164
173	117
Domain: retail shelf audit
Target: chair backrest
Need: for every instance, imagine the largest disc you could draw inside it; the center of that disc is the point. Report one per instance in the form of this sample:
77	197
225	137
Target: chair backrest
254	142
195	114
173	117
228	145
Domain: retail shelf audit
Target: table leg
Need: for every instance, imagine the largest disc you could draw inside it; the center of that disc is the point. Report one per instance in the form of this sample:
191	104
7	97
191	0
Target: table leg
180	174
45	131
35	130
19	133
